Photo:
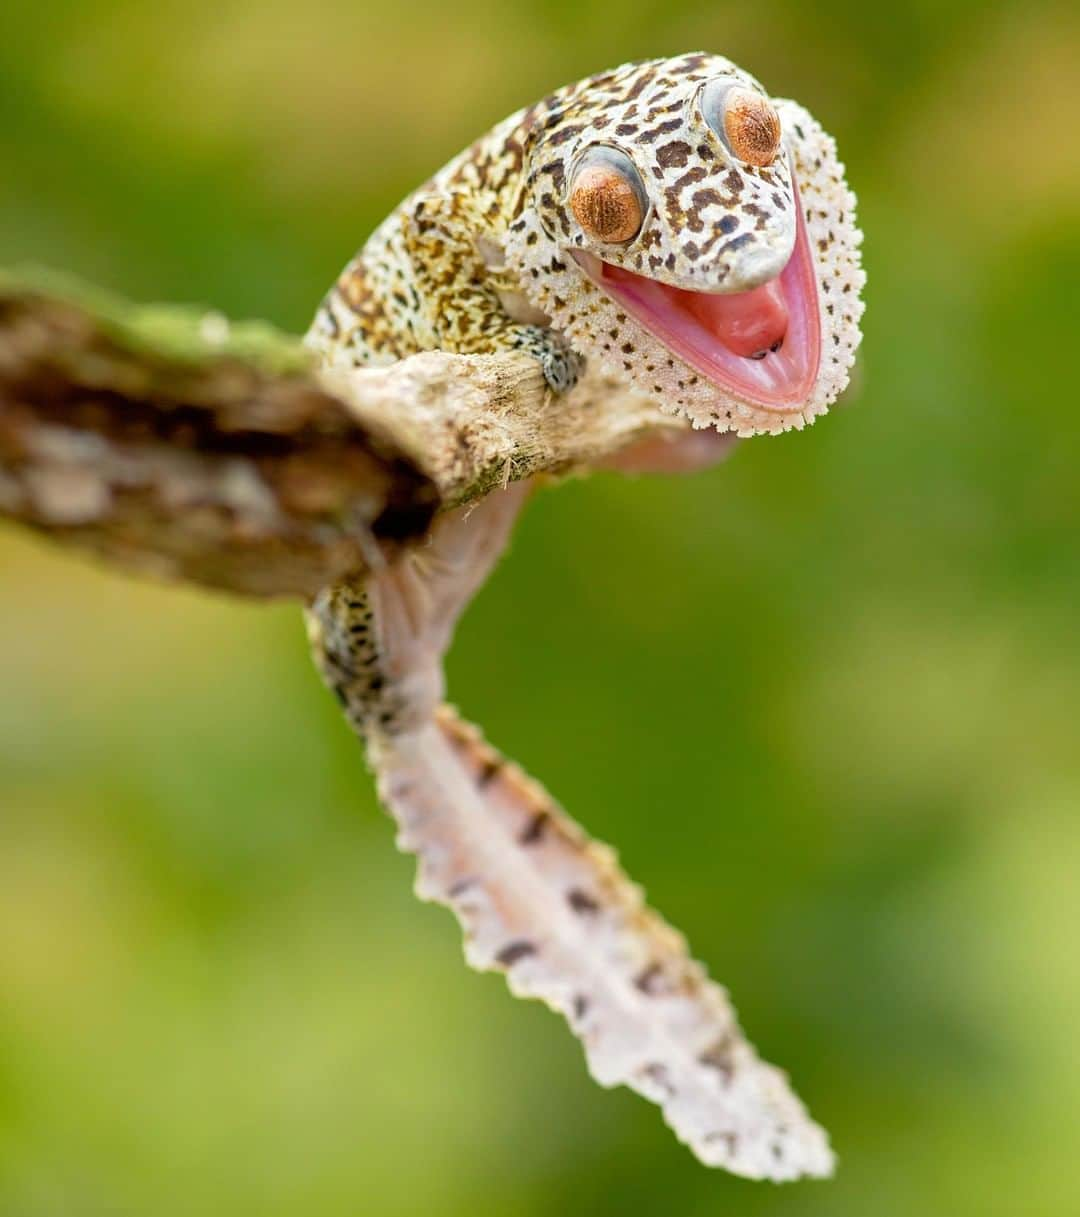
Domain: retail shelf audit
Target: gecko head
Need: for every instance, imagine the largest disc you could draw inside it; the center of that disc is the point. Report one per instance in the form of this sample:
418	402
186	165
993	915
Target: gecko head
665	229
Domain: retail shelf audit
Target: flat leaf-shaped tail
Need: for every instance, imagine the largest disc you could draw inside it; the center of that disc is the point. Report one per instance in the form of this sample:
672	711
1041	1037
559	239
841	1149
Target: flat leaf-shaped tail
537	899
551	908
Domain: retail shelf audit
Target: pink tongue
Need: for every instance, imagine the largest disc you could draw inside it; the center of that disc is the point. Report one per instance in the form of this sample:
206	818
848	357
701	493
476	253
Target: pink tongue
747	323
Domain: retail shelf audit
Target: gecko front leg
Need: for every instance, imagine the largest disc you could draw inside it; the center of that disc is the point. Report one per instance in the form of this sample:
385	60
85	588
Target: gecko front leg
461	293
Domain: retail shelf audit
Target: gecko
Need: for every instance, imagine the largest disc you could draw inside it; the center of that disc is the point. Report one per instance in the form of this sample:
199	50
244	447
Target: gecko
669	228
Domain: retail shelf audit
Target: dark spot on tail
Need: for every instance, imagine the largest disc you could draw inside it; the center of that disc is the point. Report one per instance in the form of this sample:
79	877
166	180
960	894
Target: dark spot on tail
581	902
513	951
658	1073
649	980
534	830
489	771
729	1139
719	1056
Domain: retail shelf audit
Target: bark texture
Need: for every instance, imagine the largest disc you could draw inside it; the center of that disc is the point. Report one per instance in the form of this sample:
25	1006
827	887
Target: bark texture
174	442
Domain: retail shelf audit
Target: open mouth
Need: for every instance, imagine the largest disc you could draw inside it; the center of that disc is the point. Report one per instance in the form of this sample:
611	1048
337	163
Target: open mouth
762	345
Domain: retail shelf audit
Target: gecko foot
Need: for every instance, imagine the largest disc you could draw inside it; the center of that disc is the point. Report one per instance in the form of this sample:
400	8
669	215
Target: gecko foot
562	366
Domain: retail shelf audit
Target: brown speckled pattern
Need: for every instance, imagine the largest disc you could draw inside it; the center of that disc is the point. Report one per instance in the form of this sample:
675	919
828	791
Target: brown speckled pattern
481	259
477	259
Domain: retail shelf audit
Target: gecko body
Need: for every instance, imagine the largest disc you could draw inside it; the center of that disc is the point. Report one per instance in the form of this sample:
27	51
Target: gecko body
667	229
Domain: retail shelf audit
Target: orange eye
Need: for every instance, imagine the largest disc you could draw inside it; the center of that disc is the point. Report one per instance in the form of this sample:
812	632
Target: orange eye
607	198
745	120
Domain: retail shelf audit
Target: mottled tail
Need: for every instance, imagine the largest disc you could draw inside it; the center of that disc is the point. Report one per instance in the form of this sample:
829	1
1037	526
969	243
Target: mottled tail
536	897
551	908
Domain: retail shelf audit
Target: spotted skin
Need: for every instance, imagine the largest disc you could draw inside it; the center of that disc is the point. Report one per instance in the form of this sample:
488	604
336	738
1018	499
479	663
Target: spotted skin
351	660
479	259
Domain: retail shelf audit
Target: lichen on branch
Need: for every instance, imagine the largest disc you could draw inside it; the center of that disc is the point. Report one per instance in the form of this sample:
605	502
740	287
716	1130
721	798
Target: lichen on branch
172	441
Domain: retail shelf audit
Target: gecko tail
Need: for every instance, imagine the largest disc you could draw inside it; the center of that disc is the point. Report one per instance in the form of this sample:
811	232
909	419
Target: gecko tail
537	899
551	908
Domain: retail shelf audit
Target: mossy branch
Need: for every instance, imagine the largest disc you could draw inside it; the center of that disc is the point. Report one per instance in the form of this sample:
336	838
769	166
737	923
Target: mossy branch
172	441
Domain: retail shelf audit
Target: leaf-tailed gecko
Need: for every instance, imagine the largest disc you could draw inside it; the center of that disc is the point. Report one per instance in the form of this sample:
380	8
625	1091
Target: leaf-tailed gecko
669	226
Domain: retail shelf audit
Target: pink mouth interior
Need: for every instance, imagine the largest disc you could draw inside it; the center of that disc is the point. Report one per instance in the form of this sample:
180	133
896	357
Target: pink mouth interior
762	345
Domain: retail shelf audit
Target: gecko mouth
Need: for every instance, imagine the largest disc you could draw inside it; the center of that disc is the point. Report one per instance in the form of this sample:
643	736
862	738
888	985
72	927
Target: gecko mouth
762	345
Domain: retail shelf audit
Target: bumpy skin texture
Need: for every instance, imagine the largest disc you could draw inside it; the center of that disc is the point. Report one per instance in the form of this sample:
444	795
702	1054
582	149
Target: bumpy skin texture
479	258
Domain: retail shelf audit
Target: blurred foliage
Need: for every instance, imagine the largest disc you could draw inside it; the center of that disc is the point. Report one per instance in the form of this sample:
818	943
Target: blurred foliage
825	699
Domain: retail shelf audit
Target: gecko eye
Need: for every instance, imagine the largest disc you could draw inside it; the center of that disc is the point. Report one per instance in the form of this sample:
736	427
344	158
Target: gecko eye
607	197
744	119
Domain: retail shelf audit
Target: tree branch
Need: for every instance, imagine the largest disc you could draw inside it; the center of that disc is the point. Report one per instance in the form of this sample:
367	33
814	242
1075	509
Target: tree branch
173	442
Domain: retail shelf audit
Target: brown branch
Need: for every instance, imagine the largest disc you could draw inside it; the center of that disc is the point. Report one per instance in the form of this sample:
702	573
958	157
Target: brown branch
173	442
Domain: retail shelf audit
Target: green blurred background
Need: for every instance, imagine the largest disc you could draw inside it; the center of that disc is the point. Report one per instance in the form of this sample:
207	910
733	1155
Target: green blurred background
825	699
